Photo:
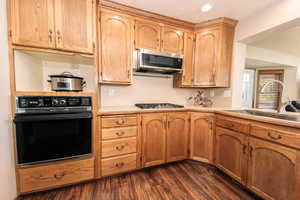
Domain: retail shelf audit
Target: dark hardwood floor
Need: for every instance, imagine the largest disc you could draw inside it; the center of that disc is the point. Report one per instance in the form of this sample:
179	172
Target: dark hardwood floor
181	180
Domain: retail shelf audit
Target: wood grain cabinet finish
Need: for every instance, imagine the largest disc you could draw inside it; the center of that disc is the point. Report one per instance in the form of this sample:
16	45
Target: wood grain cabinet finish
54	175
172	40
177	136
206	56
202	137
118	164
186	78
118	147
74	25
116	43
154	139
231	149
147	35
115	133
33	23
213	53
118	121
273	172
234	124
55	24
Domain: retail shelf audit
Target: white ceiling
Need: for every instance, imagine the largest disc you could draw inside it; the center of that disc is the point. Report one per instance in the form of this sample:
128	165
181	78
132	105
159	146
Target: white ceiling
190	10
253	63
287	41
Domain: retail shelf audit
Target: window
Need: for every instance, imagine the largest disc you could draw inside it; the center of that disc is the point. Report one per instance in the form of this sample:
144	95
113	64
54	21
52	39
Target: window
271	96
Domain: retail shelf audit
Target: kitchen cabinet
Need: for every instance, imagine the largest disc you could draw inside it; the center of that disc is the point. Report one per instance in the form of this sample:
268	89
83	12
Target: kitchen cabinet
74	25
206	57
55	24
186	78
154	135
213	53
116	43
147	35
177	136
202	137
231	149
272	170
172	40
33	23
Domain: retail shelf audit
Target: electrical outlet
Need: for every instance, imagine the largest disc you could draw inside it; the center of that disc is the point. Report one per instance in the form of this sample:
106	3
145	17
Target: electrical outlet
211	93
111	92
227	93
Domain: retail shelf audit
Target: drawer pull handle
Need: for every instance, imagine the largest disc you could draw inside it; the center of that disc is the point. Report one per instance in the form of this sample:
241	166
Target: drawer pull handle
59	176
120	122
119	165
120	133
120	148
278	137
229	125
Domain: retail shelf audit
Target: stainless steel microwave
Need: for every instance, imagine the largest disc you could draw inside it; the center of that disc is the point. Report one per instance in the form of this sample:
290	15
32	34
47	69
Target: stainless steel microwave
156	61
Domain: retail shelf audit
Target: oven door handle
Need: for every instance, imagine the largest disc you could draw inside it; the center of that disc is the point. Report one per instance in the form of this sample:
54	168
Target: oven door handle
52	117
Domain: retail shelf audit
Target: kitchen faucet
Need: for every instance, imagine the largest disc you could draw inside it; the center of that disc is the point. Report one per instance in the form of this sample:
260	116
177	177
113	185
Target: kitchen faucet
280	104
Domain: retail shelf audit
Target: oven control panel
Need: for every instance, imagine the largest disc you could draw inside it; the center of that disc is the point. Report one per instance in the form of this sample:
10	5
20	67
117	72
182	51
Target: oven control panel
52	101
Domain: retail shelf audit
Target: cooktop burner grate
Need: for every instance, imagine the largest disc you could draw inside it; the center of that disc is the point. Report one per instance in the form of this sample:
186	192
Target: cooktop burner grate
158	106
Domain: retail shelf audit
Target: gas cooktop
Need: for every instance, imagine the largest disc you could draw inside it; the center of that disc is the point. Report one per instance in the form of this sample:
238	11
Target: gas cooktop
158	106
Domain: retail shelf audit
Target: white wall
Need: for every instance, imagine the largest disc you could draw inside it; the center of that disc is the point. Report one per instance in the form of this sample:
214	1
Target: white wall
7	177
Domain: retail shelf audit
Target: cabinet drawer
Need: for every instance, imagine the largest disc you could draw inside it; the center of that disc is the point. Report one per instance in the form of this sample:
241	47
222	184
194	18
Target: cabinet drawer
276	135
118	147
233	124
114	133
118	164
118	121
44	177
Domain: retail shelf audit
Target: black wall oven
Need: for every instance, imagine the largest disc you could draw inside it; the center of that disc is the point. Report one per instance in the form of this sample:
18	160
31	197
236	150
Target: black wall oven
52	128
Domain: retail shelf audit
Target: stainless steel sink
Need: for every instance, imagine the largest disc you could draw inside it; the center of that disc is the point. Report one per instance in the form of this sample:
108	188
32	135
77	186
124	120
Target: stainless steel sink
294	118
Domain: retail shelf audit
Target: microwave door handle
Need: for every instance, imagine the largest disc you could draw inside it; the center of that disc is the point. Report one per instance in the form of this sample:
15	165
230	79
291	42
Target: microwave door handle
52	117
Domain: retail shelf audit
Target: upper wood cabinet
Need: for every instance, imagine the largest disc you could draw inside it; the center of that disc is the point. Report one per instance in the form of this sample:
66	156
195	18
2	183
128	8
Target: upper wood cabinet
33	23
202	137
74	25
116	47
147	35
172	40
272	170
206	57
56	24
186	78
231	148
213	53
177	136
154	139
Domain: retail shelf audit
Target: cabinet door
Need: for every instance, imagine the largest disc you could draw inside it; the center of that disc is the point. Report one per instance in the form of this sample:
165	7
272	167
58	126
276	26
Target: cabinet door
206	57
147	35
116	47
74	25
177	136
33	23
154	139
202	137
231	153
172	40
272	170
188	65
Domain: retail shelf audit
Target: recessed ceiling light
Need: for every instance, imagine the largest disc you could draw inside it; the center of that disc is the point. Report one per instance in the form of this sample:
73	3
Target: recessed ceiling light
206	7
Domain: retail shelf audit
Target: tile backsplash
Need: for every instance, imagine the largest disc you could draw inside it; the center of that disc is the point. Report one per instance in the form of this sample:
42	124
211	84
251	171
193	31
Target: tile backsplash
154	90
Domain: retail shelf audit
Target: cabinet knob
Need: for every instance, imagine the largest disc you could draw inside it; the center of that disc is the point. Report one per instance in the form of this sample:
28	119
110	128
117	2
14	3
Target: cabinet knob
120	164
120	122
50	36
59	175
120	133
120	148
277	137
58	36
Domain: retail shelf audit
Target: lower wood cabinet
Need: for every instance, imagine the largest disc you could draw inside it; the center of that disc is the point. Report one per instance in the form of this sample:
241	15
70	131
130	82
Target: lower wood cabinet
231	149
273	172
118	164
177	136
154	135
165	137
54	175
201	137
